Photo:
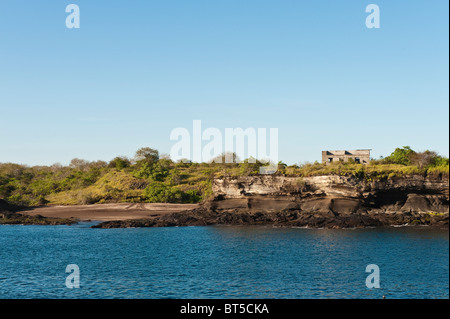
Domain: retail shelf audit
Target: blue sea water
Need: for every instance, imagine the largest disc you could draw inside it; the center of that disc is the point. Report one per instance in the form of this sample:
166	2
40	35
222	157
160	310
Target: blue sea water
222	262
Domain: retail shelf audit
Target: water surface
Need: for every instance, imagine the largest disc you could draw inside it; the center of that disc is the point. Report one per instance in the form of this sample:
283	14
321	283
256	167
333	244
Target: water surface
222	262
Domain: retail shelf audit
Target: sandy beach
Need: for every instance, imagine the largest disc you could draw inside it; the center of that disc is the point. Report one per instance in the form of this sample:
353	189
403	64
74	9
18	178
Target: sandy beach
109	212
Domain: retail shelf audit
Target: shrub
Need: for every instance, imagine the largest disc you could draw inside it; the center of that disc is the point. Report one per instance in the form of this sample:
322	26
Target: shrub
157	192
423	159
191	196
119	163
86	198
400	156
147	154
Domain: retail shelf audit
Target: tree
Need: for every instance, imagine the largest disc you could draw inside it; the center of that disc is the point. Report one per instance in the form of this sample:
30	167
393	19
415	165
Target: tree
400	156
423	159
441	161
120	162
146	154
79	164
174	177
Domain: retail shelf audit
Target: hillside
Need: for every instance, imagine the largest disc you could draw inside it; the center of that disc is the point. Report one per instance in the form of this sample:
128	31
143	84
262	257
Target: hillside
154	179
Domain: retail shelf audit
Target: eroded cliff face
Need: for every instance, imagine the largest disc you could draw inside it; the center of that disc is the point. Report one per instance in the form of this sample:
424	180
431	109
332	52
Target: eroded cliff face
338	194
319	202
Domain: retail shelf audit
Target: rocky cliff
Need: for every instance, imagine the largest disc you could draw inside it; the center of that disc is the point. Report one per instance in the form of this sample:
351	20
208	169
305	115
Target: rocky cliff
319	201
338	194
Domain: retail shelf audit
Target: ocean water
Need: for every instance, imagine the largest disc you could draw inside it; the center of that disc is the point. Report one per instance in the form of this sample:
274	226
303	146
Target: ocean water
222	262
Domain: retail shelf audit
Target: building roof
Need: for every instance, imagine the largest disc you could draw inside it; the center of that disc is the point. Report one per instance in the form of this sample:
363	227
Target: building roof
347	152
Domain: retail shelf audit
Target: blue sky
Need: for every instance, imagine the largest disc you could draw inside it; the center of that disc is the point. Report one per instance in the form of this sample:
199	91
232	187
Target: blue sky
135	70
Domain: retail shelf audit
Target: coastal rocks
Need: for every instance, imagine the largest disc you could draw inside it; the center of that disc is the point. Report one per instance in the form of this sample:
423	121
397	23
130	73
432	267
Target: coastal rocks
4	206
10	216
237	187
286	218
319	202
425	203
337	193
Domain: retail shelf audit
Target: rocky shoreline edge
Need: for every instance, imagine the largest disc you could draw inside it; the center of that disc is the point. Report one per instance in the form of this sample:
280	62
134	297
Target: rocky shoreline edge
206	215
13	218
9	215
315	202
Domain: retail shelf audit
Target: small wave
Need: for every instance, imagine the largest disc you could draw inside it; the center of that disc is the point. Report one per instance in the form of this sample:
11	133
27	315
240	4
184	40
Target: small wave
403	225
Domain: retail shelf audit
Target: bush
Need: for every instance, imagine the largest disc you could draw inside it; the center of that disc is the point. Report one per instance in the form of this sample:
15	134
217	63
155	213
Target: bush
400	156
41	200
440	161
191	196
423	159
119	163
146	155
88	198
157	192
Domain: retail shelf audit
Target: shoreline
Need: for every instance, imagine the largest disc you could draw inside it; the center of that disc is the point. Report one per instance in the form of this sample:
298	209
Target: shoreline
287	218
108	212
128	215
71	214
317	202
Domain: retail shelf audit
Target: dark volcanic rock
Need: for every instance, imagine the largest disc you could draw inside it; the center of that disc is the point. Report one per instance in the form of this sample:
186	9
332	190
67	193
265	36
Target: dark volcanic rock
10	216
287	218
319	201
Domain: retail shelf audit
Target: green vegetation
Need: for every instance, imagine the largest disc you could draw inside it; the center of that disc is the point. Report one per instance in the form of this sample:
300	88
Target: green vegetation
406	156
149	177
402	162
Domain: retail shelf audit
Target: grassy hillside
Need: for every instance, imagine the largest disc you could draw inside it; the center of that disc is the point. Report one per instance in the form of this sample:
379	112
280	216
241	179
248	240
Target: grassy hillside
149	178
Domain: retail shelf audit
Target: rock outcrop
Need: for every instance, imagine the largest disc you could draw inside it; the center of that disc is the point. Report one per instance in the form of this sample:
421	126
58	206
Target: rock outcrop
9	216
320	201
337	194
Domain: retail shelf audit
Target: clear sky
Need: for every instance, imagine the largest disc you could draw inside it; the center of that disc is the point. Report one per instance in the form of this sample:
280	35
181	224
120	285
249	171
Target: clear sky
135	70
